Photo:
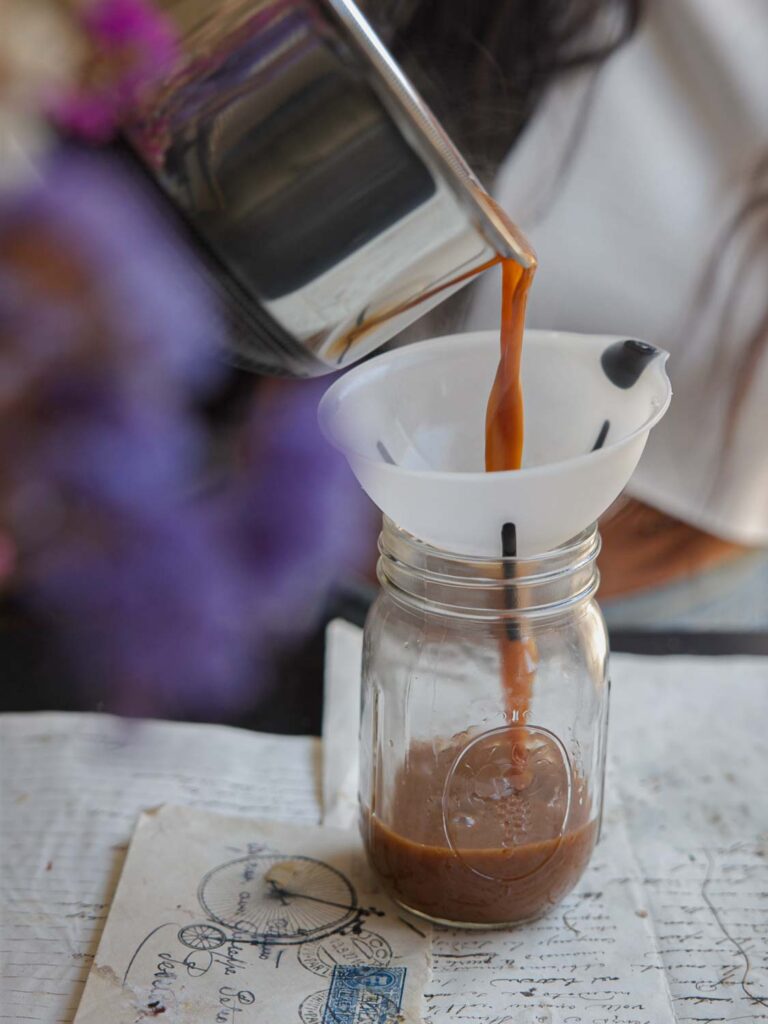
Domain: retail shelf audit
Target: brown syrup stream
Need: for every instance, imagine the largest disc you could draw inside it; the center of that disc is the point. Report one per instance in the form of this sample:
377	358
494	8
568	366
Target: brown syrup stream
504	435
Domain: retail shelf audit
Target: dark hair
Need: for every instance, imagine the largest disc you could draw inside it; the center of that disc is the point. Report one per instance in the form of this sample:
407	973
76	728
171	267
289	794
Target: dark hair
483	65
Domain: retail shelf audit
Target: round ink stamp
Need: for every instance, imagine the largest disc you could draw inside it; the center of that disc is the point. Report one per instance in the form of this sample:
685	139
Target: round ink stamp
312	1009
321	956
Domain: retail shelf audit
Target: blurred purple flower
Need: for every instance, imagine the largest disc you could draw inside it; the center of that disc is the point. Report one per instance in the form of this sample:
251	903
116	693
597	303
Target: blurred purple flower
152	294
302	520
155	614
133	46
107	334
176	597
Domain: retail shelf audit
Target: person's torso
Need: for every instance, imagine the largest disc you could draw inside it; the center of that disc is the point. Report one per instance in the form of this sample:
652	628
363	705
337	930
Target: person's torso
644	188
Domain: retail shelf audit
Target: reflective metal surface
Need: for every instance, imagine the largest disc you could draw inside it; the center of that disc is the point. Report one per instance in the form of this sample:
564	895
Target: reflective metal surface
330	206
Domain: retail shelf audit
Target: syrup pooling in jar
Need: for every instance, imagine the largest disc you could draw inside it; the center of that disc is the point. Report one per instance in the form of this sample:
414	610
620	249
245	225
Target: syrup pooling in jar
507	857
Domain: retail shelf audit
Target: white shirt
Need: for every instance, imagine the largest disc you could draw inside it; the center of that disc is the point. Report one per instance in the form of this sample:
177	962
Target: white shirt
626	181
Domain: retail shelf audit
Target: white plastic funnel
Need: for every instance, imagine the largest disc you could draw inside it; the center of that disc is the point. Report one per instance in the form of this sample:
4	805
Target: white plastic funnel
411	423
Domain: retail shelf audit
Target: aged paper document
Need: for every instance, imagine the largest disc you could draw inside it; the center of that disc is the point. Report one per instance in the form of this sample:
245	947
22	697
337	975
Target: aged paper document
669	924
71	789
221	919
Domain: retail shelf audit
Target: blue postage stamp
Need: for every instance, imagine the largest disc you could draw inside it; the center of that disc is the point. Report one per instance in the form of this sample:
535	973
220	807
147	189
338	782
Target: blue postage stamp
364	994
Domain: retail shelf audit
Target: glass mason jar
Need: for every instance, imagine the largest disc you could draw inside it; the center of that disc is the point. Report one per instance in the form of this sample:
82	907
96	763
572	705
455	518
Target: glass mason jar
484	711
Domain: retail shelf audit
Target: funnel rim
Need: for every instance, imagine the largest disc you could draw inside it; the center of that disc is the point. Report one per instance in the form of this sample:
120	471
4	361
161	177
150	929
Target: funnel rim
534	335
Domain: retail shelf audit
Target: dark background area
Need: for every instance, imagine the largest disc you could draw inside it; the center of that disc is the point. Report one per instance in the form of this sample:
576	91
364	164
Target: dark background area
37	678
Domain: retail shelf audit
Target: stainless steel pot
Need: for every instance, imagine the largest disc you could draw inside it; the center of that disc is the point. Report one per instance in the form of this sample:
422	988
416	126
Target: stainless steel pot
330	205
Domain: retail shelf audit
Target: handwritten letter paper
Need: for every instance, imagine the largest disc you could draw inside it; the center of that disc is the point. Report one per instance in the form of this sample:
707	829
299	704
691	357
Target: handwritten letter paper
226	921
670	922
592	960
71	789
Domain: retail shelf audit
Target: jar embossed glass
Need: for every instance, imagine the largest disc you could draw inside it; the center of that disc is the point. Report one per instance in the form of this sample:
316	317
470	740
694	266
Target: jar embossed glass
484	709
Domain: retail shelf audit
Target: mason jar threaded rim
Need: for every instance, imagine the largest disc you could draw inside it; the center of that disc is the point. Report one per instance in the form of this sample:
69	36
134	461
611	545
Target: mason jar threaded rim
444	582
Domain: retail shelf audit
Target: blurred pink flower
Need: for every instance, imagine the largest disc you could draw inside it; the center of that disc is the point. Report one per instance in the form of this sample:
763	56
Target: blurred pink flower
133	45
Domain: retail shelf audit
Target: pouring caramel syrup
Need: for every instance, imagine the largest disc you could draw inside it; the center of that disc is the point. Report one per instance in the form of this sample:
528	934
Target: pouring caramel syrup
484	880
504	436
504	423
